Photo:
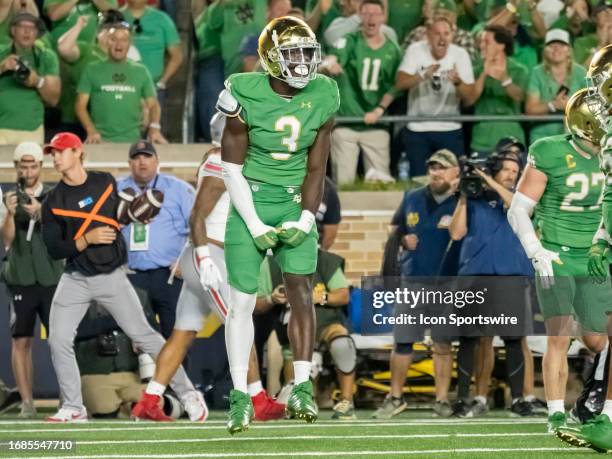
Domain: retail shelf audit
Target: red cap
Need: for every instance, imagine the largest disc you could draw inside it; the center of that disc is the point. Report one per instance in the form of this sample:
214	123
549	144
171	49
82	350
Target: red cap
63	140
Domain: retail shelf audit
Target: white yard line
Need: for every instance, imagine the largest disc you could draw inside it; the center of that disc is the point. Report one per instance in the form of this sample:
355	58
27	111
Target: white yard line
307	454
150	426
304	437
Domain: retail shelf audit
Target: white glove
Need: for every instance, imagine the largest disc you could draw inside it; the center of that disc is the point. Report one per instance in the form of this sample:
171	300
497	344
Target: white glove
210	277
542	261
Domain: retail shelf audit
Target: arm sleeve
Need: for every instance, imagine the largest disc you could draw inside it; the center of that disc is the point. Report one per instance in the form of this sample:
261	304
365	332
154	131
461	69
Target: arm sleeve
53	237
241	197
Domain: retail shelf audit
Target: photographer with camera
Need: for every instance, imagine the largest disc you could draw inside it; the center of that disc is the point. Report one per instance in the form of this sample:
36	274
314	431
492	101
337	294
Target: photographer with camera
30	274
29	79
480	220
439	77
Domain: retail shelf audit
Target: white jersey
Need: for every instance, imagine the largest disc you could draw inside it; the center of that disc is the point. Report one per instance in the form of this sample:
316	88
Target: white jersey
215	222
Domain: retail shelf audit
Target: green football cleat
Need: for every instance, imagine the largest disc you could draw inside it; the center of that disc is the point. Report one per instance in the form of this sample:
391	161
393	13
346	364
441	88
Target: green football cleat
595	434
301	404
556	421
241	412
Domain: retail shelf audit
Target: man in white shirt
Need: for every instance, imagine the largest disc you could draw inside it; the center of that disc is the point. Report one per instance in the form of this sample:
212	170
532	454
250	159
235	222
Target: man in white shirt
439	77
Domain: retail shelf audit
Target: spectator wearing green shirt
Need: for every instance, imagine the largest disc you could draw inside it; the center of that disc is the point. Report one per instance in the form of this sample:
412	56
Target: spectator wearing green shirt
364	64
586	46
156	37
500	88
65	13
75	55
552	82
233	20
8	9
29	79
111	92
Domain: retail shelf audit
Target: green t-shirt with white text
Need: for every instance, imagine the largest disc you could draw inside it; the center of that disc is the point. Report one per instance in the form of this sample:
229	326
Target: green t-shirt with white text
116	90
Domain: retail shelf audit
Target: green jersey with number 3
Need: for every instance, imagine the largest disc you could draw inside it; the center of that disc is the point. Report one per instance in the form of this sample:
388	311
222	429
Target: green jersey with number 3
569	212
281	130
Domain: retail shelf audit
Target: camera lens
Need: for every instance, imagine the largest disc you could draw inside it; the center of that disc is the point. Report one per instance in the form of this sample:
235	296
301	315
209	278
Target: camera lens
436	81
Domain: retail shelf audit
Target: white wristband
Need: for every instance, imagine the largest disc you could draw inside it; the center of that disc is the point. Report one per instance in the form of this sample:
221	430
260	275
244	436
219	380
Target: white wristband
601	235
40	83
154	126
202	251
551	108
307	219
507	82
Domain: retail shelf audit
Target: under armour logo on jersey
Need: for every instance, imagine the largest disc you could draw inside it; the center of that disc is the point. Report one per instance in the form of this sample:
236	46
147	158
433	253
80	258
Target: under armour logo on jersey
306	104
17	298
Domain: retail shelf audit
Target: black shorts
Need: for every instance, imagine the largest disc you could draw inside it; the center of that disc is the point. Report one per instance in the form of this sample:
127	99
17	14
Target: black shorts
24	304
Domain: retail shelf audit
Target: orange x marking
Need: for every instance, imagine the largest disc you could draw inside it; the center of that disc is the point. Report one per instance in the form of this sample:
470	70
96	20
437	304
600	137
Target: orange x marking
89	217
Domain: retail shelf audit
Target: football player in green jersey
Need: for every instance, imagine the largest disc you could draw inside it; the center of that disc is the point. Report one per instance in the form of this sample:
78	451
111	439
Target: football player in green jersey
274	151
564	185
597	433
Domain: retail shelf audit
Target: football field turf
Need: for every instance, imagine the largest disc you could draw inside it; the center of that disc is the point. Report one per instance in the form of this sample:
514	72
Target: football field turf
414	435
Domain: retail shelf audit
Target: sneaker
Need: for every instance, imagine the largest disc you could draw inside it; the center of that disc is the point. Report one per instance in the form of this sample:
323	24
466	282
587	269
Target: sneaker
538	406
392	406
521	408
195	406
301	403
442	409
12	398
344	410
595	434
462	409
478	408
556	421
69	415
266	408
241	412
149	407
27	411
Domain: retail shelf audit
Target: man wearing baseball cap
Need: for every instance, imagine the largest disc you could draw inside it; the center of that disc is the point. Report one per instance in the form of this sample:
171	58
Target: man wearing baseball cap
422	220
29	80
154	248
30	274
80	226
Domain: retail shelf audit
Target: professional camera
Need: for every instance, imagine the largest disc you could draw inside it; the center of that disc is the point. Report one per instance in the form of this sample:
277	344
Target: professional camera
23	198
470	183
22	72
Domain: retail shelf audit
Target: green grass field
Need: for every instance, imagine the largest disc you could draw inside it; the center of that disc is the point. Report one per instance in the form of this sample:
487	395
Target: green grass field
415	434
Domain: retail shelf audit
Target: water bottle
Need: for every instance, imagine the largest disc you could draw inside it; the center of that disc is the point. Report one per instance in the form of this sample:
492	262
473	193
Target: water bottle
403	167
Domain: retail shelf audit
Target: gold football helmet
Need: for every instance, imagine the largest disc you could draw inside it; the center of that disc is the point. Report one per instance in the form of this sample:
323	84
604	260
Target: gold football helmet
580	121
289	51
599	83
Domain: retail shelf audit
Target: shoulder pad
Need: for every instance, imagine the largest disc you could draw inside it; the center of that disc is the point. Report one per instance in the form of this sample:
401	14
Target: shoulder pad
227	104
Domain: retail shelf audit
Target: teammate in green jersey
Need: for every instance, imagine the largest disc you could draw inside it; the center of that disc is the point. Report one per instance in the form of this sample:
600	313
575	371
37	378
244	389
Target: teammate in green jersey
563	184
597	433
274	150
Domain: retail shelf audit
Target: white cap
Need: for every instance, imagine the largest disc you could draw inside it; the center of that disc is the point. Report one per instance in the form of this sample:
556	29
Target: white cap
28	149
557	35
